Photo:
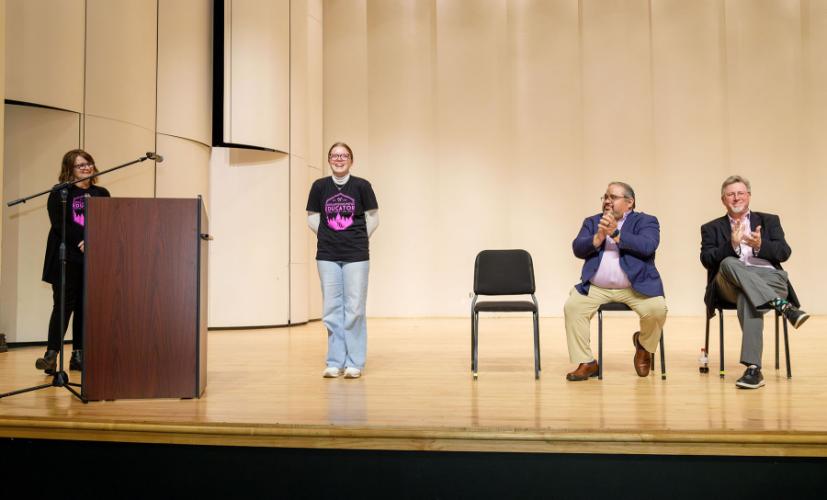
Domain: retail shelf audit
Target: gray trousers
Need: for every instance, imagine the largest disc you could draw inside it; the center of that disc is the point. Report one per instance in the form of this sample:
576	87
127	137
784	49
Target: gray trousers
750	288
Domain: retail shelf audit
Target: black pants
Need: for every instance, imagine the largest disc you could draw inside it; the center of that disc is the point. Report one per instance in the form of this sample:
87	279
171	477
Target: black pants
74	304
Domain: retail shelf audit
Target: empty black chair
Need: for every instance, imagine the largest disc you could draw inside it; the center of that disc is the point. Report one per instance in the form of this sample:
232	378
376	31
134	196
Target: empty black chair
721	306
504	272
620	306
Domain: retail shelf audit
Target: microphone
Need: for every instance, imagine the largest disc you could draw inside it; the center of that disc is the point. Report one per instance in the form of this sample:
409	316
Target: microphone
154	156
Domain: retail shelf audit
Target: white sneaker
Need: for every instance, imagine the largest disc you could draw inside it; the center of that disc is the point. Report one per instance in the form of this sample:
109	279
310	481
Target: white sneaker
331	372
351	372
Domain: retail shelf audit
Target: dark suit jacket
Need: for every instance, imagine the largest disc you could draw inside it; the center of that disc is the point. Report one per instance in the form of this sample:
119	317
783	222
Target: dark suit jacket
639	239
716	246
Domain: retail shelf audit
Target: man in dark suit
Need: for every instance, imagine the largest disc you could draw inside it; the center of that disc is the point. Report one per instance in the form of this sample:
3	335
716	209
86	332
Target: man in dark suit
742	253
618	247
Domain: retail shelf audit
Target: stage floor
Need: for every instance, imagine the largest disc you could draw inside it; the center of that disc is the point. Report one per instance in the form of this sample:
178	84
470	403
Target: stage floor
265	388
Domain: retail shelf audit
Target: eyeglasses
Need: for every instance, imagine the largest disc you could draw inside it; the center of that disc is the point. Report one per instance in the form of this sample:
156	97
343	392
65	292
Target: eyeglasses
739	194
613	197
343	156
85	165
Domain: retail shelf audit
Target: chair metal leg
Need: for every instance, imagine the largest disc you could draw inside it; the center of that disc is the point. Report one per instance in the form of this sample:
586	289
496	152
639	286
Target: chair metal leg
702	369
787	350
662	358
473	334
536	346
706	337
475	344
721	345
599	345
776	341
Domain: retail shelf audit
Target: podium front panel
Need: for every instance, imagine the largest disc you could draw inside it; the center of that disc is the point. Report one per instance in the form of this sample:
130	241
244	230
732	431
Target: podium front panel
143	315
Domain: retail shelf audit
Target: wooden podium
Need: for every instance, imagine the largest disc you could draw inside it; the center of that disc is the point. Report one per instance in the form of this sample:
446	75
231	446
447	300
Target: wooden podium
145	308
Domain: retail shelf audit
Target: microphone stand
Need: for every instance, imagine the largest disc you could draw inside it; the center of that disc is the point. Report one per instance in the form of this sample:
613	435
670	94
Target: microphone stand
60	377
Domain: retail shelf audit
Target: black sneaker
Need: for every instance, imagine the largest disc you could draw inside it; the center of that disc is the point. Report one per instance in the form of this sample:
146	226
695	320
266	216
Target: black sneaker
796	317
76	363
751	379
47	363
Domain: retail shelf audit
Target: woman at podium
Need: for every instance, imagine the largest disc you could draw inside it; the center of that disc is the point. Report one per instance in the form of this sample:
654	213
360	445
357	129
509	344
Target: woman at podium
77	164
343	212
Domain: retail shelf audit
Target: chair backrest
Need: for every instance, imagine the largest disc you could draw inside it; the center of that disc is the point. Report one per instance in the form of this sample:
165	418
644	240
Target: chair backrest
503	272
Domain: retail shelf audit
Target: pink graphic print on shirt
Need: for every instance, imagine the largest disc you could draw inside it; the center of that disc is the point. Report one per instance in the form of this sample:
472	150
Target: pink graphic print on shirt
339	210
77	210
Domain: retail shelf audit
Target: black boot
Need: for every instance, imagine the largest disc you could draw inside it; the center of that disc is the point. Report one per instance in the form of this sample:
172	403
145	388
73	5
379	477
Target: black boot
47	363
76	363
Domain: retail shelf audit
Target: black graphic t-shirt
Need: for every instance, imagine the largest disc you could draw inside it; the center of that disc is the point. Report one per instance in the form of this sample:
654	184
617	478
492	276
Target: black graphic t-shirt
343	234
75	205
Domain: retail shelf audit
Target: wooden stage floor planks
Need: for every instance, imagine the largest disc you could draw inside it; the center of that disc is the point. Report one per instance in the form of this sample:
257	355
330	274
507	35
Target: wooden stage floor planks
265	389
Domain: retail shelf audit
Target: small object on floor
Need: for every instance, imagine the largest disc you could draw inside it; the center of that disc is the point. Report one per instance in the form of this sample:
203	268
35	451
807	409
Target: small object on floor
351	372
703	362
3	346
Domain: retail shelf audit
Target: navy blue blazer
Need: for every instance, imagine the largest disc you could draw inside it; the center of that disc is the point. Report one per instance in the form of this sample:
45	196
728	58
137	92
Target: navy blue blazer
639	240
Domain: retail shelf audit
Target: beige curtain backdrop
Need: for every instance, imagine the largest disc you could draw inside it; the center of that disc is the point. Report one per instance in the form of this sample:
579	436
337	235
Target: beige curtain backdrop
498	123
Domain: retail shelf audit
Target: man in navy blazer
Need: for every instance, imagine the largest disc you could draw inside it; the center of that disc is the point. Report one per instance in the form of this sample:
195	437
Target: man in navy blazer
742	253
618	247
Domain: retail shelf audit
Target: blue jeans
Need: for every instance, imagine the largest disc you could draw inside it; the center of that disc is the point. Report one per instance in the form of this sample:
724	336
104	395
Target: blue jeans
345	292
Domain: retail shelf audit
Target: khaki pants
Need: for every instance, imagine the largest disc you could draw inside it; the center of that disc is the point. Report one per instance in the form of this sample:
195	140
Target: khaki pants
580	309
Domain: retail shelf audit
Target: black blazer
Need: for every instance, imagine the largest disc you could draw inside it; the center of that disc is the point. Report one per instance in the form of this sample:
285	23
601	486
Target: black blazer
716	246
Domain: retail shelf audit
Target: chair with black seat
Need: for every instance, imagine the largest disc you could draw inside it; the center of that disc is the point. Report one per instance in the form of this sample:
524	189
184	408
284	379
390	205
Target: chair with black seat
504	272
620	306
722	306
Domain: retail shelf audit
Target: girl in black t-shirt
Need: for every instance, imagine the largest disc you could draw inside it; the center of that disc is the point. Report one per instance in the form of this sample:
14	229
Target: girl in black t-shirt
343	212
76	164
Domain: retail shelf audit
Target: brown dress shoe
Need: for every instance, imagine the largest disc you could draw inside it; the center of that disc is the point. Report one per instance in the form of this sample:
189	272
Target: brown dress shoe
643	360
584	371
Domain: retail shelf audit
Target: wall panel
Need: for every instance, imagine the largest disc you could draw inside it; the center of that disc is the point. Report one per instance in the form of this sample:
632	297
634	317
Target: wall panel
689	117
315	94
299	124
546	139
185	69
44	50
814	173
35	142
185	171
299	293
764	57
617	93
470	110
401	121
121	60
257	68
345	80
299	189
249	257
314	305
113	143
